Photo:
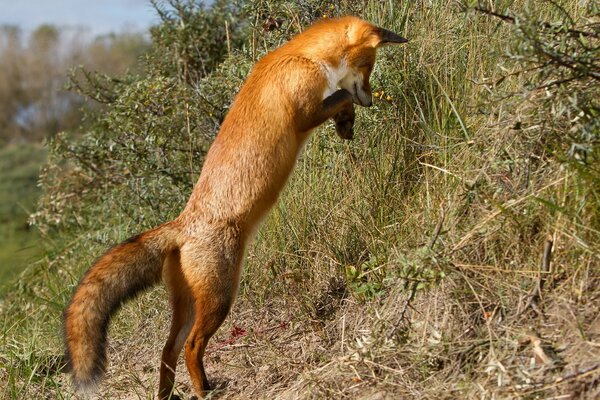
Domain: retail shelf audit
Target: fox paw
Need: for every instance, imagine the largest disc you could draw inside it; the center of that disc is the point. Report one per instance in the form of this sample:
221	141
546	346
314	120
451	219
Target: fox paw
344	123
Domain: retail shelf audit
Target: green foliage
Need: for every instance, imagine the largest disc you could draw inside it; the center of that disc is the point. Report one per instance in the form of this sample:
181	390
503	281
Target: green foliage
560	62
418	269
143	151
421	269
192	40
555	54
19	169
361	280
146	148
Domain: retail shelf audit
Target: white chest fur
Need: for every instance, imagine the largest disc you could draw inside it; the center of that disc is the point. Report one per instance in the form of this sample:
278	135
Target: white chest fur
334	76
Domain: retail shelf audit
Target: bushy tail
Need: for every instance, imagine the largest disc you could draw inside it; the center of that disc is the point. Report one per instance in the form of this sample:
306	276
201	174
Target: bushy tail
120	274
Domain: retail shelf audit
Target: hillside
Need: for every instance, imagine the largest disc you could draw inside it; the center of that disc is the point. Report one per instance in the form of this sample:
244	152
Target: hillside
451	250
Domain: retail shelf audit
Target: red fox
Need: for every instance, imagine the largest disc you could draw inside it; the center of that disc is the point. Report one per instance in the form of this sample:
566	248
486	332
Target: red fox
319	74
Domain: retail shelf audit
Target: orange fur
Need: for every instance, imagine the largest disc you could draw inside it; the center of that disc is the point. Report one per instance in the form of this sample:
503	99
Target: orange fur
291	91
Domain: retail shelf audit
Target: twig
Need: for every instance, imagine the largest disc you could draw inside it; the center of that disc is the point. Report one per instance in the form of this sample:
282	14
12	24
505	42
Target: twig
580	372
558	381
546	25
502	208
535	293
415	283
228	40
411	296
438	228
238	333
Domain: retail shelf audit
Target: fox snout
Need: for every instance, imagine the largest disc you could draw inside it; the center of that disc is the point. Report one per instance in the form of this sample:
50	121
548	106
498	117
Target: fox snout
359	87
363	98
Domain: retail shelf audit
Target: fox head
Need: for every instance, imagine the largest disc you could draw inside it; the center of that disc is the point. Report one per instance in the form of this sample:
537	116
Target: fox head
363	39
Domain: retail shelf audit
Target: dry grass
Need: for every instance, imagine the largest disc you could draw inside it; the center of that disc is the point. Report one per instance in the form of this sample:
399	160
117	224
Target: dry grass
454	341
401	265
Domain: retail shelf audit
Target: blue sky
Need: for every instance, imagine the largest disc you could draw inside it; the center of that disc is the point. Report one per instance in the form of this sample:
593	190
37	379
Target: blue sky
101	16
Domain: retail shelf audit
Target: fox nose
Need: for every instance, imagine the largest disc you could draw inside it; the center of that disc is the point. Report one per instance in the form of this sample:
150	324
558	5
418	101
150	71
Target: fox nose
367	103
363	99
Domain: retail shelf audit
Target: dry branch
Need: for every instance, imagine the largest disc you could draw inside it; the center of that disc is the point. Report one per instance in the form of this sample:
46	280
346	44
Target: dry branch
545	25
535	293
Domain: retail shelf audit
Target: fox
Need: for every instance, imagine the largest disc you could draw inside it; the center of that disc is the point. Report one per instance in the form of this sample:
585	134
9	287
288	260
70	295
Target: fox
320	74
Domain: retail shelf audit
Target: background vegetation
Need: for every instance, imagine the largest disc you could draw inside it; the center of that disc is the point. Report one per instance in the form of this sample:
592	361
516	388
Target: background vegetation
35	71
19	169
450	251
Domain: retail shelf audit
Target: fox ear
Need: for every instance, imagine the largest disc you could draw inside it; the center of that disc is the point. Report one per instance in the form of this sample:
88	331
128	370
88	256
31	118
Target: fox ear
385	37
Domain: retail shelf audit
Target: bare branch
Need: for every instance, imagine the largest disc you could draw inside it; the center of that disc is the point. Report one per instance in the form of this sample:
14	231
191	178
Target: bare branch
546	25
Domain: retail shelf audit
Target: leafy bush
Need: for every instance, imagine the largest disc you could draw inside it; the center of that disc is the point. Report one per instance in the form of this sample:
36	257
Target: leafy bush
555	55
191	40
559	65
143	151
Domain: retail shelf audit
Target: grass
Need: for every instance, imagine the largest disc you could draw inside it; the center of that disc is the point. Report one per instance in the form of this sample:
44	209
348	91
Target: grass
19	170
400	265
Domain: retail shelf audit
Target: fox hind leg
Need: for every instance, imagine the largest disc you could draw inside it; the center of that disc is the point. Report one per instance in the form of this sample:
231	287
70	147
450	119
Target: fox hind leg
211	309
181	324
212	272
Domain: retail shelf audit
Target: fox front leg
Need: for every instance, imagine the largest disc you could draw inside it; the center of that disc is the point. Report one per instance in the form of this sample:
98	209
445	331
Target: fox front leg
328	108
344	122
340	106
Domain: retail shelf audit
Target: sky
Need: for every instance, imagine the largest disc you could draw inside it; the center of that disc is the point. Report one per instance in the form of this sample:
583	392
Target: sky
100	16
